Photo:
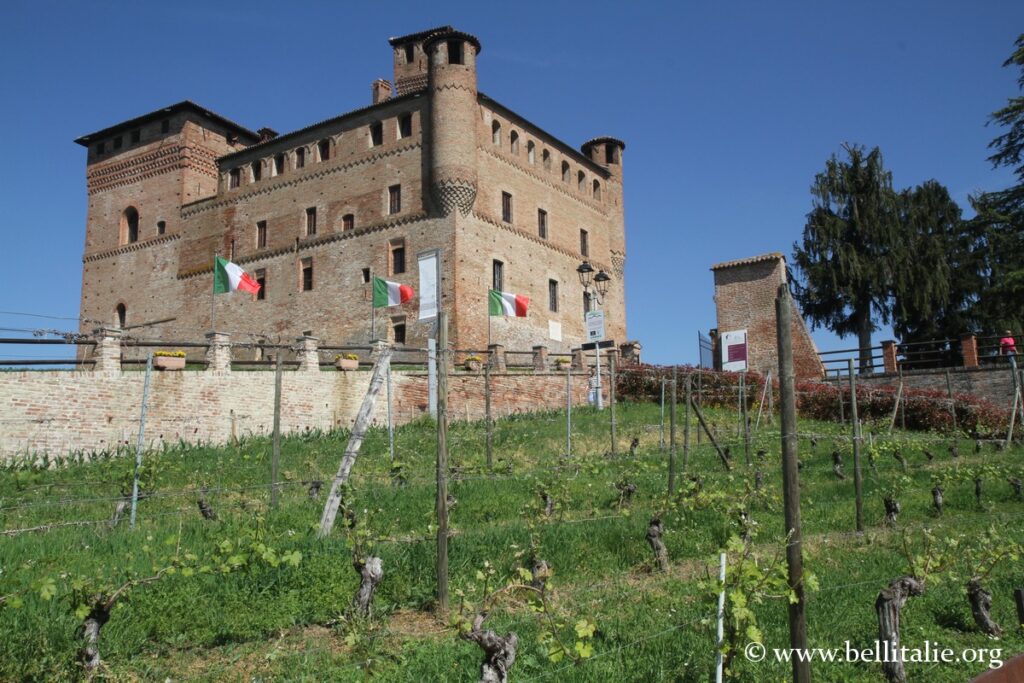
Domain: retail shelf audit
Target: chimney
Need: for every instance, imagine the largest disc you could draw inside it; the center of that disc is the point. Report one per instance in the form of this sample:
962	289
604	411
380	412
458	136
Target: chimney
381	90
266	134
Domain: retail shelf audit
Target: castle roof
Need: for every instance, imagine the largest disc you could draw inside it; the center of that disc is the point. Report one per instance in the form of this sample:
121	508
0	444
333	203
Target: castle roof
772	256
185	105
415	37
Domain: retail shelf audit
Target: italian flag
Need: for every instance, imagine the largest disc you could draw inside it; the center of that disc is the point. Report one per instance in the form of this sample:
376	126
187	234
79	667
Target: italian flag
387	293
506	303
229	277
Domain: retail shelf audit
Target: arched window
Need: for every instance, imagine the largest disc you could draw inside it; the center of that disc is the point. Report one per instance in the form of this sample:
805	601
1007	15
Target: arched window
496	134
565	172
279	164
257	170
130	225
324	147
546	158
531	152
122	312
581	181
513	142
597	190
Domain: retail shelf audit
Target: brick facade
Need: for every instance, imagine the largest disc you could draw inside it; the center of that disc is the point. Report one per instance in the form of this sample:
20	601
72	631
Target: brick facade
745	293
451	150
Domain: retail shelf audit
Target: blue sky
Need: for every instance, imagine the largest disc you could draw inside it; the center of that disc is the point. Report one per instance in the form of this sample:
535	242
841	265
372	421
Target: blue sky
727	109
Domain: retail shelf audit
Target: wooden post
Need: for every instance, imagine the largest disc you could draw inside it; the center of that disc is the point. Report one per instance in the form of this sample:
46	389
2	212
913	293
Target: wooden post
855	430
1018	599
488	423
952	402
568	411
672	435
896	406
711	437
442	464
1013	417
686	422
791	487
611	399
746	420
142	438
739	403
275	456
391	420
661	443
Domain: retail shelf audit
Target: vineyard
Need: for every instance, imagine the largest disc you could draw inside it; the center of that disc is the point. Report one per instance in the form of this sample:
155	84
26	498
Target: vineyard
601	573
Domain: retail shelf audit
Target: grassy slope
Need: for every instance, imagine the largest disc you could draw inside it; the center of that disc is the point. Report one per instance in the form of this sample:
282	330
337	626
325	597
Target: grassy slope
267	622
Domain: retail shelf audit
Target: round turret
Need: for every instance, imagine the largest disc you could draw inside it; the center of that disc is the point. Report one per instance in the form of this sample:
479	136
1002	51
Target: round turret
606	152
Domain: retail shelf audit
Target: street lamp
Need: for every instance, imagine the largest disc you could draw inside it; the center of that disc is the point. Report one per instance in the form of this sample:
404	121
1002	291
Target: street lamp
600	285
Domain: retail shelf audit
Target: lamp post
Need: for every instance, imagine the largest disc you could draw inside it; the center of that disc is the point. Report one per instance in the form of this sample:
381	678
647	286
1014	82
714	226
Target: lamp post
599	283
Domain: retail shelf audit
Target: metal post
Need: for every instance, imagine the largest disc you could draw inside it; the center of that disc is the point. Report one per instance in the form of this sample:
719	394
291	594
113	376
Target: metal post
488	424
855	428
568	411
275	458
672	435
791	488
746	420
391	421
600	399
661	441
442	464
611	399
432	376
686	422
842	416
142	437
721	620
739	404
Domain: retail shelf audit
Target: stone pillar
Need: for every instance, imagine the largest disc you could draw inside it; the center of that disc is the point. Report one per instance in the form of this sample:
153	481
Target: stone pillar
969	350
107	352
540	358
309	356
496	357
218	353
577	359
630	352
889	357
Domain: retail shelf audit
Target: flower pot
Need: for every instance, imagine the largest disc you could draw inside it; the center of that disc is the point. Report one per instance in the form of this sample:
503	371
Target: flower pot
169	362
346	364
474	365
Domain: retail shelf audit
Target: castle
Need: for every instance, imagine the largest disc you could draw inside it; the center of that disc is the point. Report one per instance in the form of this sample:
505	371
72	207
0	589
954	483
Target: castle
314	214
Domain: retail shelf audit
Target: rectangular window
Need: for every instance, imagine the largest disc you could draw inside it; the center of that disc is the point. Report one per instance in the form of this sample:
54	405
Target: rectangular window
542	223
261	234
584	243
397	248
232	251
410	52
324	147
257	170
395	199
279	164
553	296
366	276
405	126
311	221
300	157
234	178
117	142
454	52
348	221
400	332
165	126
506	207
376	134
136	135
307	274
497	276
261	280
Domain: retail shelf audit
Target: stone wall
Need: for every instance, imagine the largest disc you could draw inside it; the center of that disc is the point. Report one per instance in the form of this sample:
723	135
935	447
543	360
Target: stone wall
991	382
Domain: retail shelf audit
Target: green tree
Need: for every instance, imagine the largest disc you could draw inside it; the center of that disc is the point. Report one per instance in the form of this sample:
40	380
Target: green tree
846	260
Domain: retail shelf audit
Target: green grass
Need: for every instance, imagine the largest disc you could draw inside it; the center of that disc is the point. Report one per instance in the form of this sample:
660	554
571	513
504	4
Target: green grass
268	622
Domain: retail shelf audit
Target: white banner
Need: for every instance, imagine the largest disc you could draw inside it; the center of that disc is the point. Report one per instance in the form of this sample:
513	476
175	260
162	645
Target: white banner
429	292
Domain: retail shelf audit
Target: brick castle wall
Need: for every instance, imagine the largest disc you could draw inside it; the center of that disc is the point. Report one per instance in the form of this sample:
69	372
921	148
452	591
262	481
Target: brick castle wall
992	383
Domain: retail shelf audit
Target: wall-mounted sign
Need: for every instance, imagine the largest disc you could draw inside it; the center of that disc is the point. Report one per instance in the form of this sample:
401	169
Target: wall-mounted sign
734	350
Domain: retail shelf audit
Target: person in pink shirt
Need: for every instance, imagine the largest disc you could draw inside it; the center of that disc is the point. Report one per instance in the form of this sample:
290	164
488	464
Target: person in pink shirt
1008	347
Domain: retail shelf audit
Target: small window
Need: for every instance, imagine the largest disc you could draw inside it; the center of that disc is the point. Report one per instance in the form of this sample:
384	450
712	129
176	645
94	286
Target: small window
231	252
397	248
279	164
324	148
366	276
546	159
307	274
161	227
400	332
513	143
300	157
542	224
234	178
122	315
455	52
257	170
581	181
130	225
136	136
498	276
553	296
586	303
348	221
311	221
611	153
506	207
376	134
410	53
261	280
165	126
395	199
597	190
405	126
565	172
496	134
117	142
531	152
101	148
584	243
261	234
